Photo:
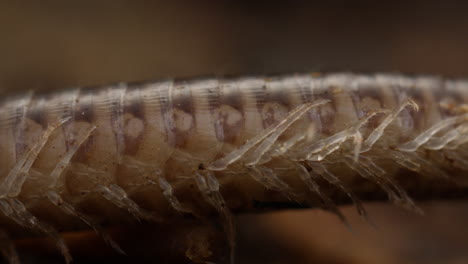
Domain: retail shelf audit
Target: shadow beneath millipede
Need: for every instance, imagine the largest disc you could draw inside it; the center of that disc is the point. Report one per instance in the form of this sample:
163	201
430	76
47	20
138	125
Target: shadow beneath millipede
288	236
152	243
186	242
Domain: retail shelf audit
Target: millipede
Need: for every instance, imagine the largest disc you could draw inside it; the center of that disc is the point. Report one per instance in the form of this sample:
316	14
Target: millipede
210	148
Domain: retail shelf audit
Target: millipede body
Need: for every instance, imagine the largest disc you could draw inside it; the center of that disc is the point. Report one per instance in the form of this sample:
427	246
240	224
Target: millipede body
213	147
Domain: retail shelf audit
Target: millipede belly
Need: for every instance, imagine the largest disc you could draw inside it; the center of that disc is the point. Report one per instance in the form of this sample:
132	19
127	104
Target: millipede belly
210	148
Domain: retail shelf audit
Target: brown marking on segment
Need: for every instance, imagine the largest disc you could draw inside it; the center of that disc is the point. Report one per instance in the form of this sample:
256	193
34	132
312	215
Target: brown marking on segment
214	104
84	108
135	108
206	101
184	125
69	107
232	99
84	114
280	98
117	121
165	98
133	120
231	112
368	104
231	122
182	114
326	114
367	98
273	113
370	91
37	112
219	130
133	133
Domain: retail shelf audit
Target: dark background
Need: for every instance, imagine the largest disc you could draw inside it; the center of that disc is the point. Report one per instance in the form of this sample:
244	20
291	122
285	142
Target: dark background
48	45
57	44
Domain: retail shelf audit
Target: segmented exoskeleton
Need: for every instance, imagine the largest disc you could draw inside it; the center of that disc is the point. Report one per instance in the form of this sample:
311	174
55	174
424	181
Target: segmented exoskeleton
208	146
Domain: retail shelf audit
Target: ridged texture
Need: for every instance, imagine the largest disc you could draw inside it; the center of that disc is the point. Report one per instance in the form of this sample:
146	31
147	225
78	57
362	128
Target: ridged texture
217	145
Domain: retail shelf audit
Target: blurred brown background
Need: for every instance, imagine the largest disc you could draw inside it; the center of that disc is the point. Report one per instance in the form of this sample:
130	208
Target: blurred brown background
58	44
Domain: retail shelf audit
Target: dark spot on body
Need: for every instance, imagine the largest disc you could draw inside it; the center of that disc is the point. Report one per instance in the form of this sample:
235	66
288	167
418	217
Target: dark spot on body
201	166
